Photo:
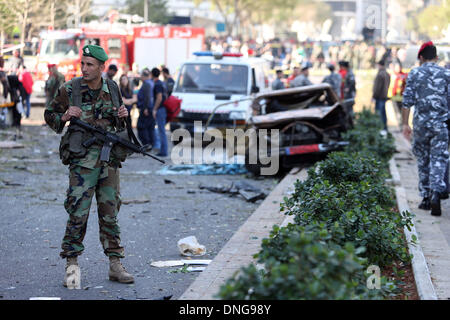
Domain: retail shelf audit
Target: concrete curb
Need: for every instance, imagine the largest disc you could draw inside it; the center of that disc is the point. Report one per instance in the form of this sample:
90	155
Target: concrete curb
239	250
422	276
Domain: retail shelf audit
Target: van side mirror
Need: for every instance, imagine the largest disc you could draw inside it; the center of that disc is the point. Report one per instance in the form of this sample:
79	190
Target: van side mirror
255	89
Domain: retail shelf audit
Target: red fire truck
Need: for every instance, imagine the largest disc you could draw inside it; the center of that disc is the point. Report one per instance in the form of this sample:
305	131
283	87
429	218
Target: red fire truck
132	49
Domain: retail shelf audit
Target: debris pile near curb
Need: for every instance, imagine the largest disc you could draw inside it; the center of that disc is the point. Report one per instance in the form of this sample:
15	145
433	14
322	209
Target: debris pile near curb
249	192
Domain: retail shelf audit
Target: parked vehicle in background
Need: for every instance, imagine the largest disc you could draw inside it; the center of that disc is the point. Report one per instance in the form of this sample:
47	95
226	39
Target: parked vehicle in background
129	49
218	87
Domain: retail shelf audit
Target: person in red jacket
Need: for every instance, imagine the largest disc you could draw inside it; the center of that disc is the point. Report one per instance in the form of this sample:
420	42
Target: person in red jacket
398	86
27	82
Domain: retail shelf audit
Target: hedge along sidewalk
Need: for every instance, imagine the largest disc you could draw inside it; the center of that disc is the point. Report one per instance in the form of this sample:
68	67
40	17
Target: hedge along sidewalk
433	232
239	250
425	288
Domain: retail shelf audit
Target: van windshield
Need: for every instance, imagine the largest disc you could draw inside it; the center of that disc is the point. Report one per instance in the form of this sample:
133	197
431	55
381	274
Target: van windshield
213	78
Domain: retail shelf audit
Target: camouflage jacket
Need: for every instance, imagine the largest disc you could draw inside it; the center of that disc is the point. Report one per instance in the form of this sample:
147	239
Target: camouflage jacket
349	85
300	81
52	84
427	89
97	112
335	81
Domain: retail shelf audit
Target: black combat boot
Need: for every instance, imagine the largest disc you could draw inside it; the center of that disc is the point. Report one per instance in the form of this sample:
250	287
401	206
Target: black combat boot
436	204
425	204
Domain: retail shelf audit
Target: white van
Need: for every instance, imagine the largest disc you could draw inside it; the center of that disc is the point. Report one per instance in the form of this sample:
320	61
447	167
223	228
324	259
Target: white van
216	83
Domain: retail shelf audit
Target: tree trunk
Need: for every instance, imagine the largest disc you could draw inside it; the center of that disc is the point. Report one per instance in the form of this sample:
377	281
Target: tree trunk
52	15
24	26
2	42
228	26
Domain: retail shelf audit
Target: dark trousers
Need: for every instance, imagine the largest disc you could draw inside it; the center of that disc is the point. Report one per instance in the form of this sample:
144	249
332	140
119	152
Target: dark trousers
380	107
447	169
27	105
143	128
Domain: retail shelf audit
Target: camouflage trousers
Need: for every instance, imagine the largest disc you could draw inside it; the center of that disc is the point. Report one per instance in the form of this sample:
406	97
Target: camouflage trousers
83	183
430	147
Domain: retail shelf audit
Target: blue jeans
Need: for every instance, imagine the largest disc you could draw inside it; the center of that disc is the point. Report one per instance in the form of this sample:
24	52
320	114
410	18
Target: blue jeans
380	107
160	133
143	128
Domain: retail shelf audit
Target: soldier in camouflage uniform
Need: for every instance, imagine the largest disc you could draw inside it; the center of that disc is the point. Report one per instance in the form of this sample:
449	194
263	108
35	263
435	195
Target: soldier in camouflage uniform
54	81
87	174
427	89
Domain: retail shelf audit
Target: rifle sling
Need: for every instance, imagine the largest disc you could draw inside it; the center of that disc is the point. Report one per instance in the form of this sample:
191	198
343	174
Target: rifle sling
116	99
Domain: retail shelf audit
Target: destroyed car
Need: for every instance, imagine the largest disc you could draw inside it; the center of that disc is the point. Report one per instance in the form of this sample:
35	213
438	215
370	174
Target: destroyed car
309	119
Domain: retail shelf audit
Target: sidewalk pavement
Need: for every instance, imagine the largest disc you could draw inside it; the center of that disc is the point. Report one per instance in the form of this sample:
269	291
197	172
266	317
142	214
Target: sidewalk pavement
433	232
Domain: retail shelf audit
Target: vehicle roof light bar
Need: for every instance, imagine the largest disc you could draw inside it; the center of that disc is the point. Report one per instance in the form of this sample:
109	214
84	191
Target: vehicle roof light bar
217	55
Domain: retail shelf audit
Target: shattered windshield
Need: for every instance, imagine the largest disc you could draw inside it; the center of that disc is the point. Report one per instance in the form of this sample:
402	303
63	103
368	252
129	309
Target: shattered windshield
213	78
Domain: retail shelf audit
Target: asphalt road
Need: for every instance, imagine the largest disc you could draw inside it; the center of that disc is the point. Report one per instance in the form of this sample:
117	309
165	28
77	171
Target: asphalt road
33	183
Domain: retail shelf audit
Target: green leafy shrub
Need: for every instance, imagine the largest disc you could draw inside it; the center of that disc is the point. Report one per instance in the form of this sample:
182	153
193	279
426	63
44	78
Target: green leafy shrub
349	189
366	137
302	263
367	119
344	203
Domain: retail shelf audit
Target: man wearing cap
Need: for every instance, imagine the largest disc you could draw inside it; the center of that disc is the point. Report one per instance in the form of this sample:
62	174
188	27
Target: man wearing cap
54	81
333	79
87	173
302	79
348	87
427	89
278	84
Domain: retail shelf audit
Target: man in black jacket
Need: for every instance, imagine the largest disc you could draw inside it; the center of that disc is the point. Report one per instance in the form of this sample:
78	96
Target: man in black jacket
145	105
13	87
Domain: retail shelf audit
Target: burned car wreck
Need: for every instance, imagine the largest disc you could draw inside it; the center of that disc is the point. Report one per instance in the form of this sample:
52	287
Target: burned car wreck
309	119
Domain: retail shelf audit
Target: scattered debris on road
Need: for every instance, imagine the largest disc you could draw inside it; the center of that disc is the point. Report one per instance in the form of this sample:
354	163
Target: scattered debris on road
204	169
189	246
10	145
249	192
135	201
11	184
179	263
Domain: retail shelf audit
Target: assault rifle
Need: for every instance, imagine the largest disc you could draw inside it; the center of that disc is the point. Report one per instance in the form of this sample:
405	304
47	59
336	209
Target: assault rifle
109	140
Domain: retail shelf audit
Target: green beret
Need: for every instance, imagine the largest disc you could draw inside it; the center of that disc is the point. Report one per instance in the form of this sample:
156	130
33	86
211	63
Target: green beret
97	52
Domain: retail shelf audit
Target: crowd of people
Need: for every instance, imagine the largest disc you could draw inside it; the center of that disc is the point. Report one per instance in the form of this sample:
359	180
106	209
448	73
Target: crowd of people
286	54
148	94
16	90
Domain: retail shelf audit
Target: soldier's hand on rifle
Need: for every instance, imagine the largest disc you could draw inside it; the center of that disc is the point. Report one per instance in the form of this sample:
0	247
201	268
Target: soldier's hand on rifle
71	112
123	112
